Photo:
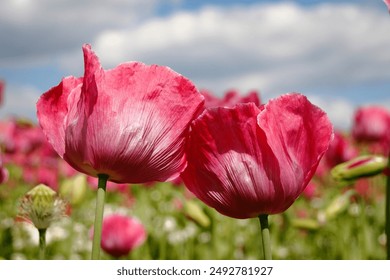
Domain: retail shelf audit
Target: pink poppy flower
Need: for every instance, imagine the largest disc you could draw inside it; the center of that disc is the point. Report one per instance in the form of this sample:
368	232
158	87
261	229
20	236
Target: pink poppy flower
2	87
3	172
372	126
340	150
121	234
247	161
230	99
310	191
25	145
129	122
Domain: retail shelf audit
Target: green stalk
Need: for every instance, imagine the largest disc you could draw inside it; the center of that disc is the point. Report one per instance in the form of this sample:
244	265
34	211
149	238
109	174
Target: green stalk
388	210
265	236
42	243
97	232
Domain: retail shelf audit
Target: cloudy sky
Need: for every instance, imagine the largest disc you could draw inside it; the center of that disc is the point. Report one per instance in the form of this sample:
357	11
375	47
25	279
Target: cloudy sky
335	52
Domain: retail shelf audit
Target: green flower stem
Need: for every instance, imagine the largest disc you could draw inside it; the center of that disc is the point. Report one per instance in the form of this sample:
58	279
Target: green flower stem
42	243
388	210
97	232
265	237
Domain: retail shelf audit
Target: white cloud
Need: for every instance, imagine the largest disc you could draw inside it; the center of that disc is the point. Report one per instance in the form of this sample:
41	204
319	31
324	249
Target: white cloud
20	101
42	29
275	48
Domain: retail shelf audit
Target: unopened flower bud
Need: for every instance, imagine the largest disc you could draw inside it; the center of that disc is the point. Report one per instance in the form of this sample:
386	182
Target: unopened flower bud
74	189
42	206
362	166
338	205
193	211
308	224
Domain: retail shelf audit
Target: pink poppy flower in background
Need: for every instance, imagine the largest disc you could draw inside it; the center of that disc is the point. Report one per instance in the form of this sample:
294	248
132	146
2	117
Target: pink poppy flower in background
246	161
3	172
20	136
230	99
340	150
121	234
387	2
25	145
371	125
310	191
129	122
2	90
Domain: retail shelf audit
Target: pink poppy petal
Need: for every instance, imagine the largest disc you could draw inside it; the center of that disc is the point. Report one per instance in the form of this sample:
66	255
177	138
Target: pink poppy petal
299	134
52	110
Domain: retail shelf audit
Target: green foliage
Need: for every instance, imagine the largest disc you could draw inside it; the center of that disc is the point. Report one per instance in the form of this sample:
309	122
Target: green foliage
355	231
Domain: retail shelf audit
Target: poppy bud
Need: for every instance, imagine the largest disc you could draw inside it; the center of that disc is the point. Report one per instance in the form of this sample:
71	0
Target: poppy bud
42	206
194	211
362	166
74	189
337	206
308	224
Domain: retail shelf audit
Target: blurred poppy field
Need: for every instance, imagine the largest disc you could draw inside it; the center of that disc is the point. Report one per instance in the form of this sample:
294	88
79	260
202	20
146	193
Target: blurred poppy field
330	220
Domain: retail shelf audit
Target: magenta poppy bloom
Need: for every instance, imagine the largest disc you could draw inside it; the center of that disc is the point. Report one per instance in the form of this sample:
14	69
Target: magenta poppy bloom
230	99
372	125
340	150
310	191
25	145
129	123
121	234
3	172
249	161
2	87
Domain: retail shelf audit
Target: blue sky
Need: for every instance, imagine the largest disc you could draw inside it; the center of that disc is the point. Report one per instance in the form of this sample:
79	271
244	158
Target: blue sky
335	52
